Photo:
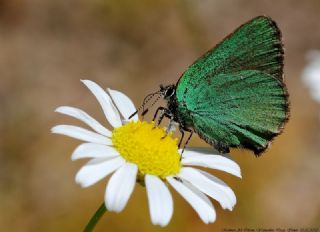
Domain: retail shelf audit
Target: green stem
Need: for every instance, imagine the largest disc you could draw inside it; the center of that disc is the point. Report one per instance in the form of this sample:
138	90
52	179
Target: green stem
95	218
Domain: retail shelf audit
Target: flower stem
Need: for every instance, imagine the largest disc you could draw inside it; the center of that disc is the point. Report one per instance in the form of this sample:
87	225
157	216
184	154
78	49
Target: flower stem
95	218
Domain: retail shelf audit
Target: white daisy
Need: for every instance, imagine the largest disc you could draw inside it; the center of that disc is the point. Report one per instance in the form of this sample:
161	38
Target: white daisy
134	151
311	74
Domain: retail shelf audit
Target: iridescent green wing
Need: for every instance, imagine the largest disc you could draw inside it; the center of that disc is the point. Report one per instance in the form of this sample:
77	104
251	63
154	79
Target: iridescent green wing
234	95
245	109
256	45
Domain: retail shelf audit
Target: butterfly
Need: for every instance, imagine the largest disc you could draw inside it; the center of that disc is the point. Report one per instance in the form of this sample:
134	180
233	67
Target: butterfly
234	95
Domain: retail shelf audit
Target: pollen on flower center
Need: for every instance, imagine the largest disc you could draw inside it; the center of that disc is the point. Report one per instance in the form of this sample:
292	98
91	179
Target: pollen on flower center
147	146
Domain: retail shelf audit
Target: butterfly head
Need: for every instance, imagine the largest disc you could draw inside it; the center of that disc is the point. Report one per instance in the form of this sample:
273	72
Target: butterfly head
167	91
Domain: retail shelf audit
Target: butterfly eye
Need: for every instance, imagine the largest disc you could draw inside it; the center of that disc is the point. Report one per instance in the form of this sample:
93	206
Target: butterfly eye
169	92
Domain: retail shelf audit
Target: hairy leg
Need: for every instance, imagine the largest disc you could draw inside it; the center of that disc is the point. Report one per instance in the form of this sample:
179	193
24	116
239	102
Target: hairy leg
157	111
182	131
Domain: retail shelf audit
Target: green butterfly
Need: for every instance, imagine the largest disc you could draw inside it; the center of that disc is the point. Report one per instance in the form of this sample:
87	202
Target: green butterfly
234	95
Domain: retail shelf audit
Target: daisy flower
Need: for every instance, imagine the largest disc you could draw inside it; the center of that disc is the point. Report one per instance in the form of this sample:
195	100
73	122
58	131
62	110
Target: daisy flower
136	151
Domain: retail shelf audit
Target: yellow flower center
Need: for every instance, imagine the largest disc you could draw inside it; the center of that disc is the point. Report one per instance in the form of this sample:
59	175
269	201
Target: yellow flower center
148	147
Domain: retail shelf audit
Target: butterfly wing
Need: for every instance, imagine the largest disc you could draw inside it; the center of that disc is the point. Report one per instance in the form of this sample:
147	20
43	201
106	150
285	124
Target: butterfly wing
244	109
234	95
256	45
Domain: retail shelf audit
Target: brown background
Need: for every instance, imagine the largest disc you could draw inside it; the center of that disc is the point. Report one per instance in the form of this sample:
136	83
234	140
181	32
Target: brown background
46	47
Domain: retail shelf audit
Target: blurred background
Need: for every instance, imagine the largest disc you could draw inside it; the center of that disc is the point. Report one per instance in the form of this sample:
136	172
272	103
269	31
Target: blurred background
46	47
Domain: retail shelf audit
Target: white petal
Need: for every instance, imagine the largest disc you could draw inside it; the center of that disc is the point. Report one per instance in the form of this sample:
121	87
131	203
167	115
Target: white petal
124	104
105	101
199	202
215	162
195	151
97	169
83	116
228	191
160	201
93	150
81	134
210	185
120	187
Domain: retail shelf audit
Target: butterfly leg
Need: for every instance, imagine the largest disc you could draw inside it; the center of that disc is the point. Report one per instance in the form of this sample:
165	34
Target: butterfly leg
188	139
157	111
172	124
162	111
182	135
182	130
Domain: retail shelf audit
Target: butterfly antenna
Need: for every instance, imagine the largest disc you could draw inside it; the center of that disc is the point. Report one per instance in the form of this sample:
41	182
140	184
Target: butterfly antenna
145	101
145	111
